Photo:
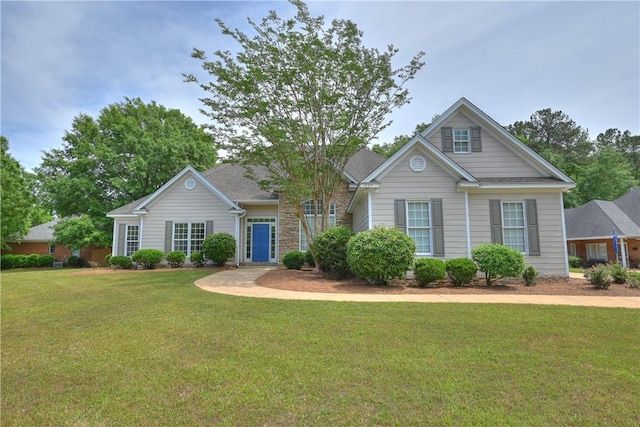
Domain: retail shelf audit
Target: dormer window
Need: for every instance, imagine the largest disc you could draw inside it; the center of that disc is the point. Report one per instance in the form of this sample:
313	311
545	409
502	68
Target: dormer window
461	141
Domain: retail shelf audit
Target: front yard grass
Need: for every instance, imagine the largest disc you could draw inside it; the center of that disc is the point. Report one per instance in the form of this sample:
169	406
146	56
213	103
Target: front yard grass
150	348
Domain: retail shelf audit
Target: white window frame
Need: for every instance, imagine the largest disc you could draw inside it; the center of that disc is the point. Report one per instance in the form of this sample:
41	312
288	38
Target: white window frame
525	243
52	249
307	208
599	248
572	249
189	244
412	229
458	139
131	240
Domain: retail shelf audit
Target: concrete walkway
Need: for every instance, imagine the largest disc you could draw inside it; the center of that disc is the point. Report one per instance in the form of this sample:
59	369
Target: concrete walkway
241	282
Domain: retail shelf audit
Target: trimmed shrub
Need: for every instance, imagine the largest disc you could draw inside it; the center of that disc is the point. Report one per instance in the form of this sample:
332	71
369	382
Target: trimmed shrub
460	271
219	247
7	261
119	261
294	260
618	273
633	282
381	254
529	275
330	249
20	261
575	261
497	261
197	259
32	260
148	258
428	270
176	259
74	261
308	259
46	260
598	276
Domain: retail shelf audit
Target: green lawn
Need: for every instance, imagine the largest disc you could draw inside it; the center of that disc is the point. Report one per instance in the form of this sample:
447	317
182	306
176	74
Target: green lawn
151	349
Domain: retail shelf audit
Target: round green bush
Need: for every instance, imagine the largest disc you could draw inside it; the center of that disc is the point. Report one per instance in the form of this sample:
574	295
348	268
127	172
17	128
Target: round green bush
308	259
460	271
219	247
197	259
575	261
74	261
330	247
176	259
294	260
7	261
148	258
20	261
46	260
497	261
618	273
119	261
32	260
381	254
428	270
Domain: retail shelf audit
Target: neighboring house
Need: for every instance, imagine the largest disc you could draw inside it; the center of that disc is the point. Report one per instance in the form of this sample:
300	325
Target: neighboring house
463	181
591	227
39	240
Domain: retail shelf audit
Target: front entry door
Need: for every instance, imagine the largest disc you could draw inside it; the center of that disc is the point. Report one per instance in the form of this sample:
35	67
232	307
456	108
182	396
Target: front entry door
260	243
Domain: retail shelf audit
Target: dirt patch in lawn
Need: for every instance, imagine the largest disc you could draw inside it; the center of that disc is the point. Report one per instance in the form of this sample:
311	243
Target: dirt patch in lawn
308	281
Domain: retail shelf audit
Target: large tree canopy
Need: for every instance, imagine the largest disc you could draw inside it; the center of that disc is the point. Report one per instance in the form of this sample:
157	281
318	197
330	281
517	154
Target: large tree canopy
16	201
129	151
300	98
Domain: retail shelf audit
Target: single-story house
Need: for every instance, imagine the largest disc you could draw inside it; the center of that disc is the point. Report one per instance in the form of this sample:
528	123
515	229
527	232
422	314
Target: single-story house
592	226
461	182
39	240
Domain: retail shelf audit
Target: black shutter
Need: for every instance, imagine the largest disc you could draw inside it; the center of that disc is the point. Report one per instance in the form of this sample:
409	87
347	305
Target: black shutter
122	233
168	236
401	215
532	227
495	218
208	228
438	227
476	142
447	140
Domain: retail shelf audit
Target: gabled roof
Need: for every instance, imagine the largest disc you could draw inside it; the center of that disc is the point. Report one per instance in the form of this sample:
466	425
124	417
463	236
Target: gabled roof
599	218
230	178
515	144
41	233
139	206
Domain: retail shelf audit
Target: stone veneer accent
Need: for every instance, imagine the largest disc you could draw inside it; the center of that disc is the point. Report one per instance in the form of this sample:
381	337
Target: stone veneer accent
289	226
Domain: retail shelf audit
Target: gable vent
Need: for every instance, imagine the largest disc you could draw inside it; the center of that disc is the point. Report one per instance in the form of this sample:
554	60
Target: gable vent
417	163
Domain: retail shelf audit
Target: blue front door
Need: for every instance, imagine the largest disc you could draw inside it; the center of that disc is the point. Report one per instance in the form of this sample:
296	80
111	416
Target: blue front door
260	243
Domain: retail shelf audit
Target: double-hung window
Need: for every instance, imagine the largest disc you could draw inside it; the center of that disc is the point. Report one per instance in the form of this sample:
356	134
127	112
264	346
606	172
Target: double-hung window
132	240
514	227
461	141
188	237
419	225
307	208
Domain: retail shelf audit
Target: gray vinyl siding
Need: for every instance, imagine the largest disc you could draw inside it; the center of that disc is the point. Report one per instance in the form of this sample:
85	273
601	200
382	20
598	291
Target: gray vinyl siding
361	216
551	260
432	183
180	205
495	160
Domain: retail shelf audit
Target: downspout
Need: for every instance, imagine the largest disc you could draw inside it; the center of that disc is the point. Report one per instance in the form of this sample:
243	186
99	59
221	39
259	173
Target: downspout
468	223
369	210
564	236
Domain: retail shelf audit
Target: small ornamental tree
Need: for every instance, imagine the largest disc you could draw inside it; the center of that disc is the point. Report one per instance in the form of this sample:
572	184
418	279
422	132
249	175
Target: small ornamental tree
381	254
219	247
497	261
331	249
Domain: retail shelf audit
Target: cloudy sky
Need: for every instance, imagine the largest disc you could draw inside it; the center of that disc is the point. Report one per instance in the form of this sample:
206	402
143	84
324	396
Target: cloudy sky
60	59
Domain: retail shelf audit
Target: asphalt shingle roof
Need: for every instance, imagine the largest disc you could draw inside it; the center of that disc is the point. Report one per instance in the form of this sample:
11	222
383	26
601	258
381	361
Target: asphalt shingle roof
598	218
